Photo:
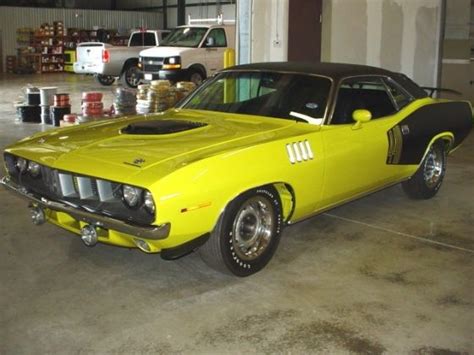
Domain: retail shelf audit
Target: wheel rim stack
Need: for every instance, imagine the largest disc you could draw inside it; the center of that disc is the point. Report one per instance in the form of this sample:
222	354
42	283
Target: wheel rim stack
125	102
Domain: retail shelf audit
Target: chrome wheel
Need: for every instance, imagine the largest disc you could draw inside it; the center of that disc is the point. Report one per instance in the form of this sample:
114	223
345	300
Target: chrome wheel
131	77
253	227
433	168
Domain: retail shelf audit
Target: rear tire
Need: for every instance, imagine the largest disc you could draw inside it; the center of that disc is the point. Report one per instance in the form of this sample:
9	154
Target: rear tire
105	80
247	233
427	180
130	76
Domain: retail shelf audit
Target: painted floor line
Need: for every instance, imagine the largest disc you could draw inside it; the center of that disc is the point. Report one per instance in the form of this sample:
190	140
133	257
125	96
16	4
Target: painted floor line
399	233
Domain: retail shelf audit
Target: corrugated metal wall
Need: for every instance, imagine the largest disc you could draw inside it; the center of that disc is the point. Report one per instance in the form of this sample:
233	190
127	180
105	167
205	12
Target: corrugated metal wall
12	18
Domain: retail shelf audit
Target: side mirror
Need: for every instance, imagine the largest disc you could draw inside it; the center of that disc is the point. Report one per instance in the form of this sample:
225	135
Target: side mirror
361	116
210	42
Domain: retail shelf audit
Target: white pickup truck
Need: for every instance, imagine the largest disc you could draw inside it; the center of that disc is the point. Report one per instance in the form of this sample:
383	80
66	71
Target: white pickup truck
109	62
191	52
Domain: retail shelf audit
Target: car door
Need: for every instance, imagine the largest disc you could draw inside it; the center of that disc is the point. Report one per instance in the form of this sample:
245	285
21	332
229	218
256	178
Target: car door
356	155
215	45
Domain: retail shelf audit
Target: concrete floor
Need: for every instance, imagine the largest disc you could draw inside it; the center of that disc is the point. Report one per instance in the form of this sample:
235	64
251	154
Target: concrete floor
384	274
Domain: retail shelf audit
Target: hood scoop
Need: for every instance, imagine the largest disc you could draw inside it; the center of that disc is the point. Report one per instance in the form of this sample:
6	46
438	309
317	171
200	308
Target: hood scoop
161	127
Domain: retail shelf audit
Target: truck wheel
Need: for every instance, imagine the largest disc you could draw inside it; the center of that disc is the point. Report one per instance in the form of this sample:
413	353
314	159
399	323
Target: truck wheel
105	80
130	76
196	76
247	233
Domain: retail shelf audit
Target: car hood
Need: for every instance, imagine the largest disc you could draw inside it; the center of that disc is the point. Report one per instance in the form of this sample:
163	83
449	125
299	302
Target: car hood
119	149
164	51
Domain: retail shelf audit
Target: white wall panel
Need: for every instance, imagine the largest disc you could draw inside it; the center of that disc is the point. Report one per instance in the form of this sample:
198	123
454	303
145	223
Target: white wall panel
399	35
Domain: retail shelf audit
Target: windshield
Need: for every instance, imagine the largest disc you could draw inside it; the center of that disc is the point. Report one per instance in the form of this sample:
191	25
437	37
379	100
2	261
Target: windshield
185	37
298	97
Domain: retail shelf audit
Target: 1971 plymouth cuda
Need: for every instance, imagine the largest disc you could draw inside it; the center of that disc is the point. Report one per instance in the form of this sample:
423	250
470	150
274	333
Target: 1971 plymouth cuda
254	148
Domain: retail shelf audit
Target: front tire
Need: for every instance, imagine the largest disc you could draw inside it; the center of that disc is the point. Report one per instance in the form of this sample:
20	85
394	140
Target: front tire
427	180
105	80
130	76
247	233
196	76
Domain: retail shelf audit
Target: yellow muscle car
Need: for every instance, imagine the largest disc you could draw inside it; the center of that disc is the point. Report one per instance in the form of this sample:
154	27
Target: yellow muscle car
255	148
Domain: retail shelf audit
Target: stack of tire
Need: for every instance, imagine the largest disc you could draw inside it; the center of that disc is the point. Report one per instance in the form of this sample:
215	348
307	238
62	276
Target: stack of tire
125	102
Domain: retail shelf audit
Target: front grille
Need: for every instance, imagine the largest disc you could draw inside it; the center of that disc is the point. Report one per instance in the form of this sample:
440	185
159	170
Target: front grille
152	64
90	193
151	67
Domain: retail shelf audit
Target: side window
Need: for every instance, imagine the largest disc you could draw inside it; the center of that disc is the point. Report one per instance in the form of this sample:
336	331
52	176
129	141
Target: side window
362	93
217	37
400	97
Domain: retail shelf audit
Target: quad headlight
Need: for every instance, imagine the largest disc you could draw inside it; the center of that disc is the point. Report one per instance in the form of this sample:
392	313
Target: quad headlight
21	164
135	197
148	202
131	195
34	169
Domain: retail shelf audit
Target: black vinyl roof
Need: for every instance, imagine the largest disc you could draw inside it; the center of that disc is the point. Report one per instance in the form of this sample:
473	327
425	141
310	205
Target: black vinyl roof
332	70
336	71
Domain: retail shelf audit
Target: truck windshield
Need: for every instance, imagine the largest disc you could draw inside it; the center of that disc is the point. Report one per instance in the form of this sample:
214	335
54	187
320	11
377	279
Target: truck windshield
299	97
185	37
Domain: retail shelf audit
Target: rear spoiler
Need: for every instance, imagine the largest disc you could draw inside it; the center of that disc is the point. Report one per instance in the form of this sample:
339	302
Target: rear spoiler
431	91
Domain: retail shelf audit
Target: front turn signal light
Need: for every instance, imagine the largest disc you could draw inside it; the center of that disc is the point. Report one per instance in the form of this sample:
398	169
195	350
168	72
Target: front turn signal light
171	66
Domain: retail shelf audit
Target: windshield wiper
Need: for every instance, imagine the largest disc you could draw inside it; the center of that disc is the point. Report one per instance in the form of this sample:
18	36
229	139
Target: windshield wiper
306	118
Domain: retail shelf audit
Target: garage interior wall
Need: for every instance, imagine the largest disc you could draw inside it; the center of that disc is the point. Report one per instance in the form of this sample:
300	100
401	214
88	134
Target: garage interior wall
195	8
399	35
458	49
269	30
12	18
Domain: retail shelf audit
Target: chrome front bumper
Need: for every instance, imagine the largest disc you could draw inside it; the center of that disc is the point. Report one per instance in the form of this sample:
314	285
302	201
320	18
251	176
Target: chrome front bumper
147	232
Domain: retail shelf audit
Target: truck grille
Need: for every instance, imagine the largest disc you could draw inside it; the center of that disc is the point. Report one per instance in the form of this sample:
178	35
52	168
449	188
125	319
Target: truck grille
152	64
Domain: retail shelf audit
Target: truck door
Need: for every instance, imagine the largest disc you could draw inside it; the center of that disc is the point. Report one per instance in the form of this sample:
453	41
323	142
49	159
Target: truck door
215	44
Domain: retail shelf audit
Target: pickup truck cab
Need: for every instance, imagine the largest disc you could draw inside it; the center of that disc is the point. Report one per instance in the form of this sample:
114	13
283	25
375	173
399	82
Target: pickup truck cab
109	62
191	53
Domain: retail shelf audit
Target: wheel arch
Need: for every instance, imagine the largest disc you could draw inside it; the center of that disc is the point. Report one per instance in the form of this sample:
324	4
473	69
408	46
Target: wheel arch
127	63
200	67
285	193
446	137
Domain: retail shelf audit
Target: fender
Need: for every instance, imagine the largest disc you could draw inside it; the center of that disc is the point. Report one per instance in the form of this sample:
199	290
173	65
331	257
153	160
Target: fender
409	140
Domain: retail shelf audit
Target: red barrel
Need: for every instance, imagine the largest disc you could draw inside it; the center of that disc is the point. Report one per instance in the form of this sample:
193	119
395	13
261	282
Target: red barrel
61	100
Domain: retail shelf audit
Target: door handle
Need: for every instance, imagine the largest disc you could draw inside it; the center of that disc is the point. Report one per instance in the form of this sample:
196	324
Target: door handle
211	49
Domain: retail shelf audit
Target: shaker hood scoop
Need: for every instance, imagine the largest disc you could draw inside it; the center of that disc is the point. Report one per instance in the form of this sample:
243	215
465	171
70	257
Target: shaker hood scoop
158	127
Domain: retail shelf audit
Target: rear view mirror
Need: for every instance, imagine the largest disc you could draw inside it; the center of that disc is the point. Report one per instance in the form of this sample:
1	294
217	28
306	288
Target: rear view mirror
361	116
